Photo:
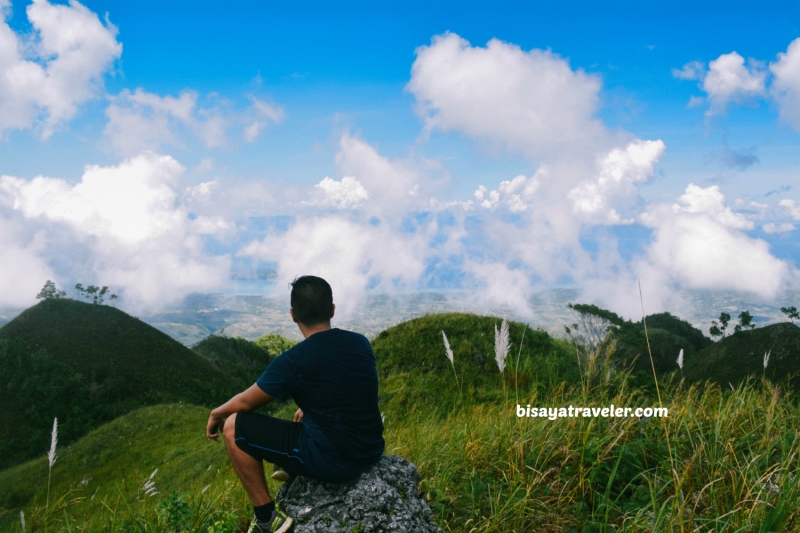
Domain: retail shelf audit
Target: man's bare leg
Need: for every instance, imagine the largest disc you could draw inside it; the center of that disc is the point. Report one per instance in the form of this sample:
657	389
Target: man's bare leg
249	469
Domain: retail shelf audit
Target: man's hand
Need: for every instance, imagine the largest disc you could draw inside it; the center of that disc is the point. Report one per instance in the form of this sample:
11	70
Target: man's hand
249	400
298	416
215	424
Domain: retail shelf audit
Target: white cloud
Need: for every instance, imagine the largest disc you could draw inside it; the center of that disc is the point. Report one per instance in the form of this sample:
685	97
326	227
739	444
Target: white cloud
23	271
350	255
499	288
139	121
70	51
344	194
786	84
698	243
130	203
396	239
531	102
212	225
261	115
694	70
128	221
710	201
620	171
729	80
695	101
514	194
791	207
371	247
393	187
203	191
777	228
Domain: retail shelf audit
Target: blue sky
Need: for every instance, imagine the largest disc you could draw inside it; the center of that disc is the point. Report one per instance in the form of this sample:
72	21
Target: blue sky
353	139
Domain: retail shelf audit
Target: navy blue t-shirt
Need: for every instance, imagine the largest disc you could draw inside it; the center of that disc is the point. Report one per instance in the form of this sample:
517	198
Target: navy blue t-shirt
331	376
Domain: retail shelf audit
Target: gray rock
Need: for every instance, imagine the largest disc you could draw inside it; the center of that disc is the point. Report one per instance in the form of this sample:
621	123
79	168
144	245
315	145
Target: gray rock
384	499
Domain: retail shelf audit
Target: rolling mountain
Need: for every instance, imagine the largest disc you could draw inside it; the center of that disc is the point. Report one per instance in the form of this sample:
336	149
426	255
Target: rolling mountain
87	364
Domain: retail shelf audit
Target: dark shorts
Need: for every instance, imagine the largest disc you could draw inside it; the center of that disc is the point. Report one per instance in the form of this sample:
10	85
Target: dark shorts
271	439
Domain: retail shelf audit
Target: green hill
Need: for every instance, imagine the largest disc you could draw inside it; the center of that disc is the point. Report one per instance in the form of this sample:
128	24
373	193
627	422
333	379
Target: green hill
244	361
668	335
668	322
416	374
740	355
88	364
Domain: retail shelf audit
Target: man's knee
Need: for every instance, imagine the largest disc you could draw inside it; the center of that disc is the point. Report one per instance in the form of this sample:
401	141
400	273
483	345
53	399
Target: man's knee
229	430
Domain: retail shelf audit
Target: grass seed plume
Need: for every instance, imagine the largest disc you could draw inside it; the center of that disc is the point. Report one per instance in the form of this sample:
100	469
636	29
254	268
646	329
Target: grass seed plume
150	485
450	356
501	345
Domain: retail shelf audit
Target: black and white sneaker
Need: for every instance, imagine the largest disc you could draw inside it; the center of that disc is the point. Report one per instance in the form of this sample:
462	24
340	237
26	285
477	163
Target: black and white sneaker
279	523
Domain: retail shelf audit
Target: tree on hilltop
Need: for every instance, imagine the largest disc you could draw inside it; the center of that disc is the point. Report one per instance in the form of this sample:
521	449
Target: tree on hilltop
94	294
745	321
791	313
50	292
718	329
592	324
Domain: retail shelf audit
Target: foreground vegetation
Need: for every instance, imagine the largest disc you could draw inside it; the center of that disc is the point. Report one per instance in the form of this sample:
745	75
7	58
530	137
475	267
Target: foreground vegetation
734	455
483	469
724	460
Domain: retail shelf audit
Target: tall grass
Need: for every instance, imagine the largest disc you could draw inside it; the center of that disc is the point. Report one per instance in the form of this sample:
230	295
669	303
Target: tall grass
484	469
678	494
107	480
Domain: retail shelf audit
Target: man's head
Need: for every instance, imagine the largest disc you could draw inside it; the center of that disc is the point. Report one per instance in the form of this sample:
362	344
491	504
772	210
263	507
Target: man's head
312	300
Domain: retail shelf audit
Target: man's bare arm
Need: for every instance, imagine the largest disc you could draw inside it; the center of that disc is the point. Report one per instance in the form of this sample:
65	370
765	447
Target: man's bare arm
249	400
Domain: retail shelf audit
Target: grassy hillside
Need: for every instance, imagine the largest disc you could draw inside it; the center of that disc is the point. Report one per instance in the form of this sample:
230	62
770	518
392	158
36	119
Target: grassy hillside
88	364
721	461
740	355
668	336
416	374
242	360
98	481
483	468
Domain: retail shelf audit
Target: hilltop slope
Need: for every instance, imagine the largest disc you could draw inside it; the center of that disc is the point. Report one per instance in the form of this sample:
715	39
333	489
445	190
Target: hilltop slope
88	364
416	374
668	335
740	355
242	360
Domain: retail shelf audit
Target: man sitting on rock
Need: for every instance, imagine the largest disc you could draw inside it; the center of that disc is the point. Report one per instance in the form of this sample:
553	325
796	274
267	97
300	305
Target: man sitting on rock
337	432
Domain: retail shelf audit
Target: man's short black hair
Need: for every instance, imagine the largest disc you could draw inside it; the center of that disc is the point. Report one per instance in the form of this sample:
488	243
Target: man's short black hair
312	300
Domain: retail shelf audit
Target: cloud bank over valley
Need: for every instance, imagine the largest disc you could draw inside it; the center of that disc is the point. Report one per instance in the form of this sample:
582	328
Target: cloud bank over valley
157	215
